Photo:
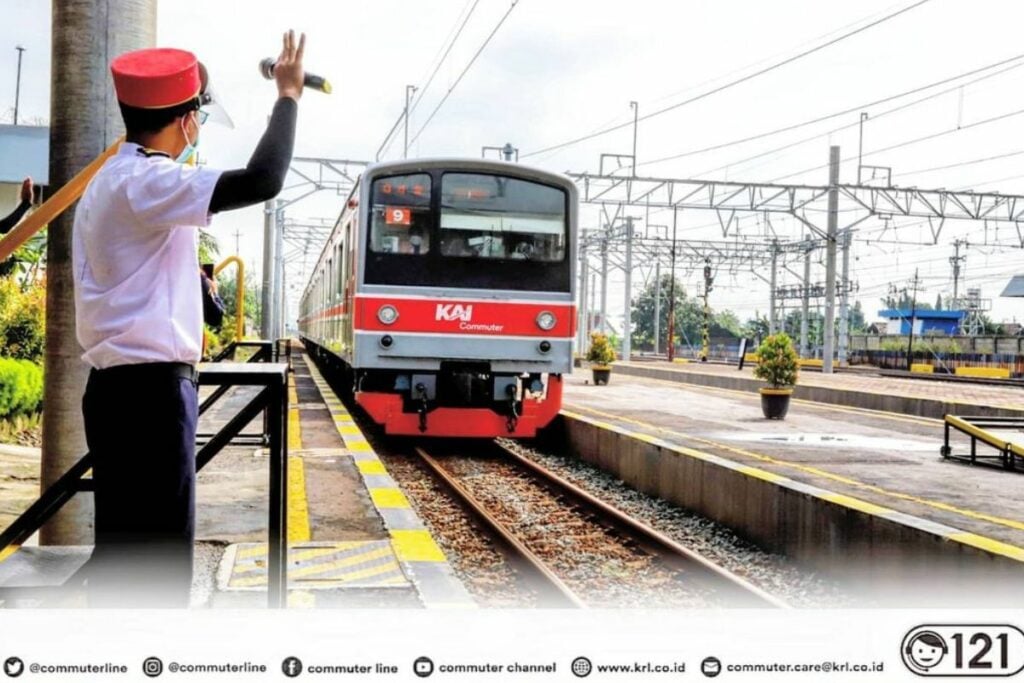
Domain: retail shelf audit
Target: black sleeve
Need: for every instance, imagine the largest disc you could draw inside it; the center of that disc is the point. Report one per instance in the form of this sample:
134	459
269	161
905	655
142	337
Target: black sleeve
263	176
7	223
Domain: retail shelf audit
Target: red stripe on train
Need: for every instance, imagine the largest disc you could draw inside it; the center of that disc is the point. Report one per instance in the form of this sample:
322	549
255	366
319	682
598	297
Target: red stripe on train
455	316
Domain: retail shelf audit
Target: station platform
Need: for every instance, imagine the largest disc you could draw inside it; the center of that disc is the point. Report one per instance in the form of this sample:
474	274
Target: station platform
882	471
353	539
920	397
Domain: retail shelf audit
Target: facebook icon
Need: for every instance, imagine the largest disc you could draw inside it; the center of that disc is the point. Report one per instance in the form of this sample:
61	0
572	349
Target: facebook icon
291	667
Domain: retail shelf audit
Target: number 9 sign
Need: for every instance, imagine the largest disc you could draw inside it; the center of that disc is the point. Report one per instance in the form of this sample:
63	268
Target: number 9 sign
397	216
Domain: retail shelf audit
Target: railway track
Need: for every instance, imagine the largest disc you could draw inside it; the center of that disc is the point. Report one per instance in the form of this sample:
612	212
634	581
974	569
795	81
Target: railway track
581	551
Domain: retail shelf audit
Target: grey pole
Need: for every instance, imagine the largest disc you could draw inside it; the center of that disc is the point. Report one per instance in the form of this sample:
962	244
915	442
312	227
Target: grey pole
17	86
657	305
278	267
860	144
592	306
772	324
409	90
627	316
636	120
267	295
844	301
84	120
806	303
584	313
828	335
604	283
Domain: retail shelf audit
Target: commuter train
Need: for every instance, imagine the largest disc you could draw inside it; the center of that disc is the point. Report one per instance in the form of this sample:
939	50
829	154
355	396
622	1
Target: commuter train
444	297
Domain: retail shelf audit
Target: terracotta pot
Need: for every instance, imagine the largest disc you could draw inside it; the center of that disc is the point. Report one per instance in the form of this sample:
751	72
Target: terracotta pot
775	402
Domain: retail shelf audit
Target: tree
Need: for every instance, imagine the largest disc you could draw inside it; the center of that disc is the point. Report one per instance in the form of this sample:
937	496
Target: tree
756	328
688	316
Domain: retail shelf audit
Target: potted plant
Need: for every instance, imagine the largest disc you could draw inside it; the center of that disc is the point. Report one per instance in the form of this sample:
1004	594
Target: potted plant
777	365
601	356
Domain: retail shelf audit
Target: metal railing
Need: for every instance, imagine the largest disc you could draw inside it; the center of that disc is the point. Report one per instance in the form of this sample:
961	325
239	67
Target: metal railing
271	400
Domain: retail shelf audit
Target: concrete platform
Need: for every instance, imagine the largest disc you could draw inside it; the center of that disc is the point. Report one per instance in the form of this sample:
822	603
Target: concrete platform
832	485
353	539
920	397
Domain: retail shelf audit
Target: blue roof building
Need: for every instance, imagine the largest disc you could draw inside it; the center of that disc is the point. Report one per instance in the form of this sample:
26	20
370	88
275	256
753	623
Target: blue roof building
943	322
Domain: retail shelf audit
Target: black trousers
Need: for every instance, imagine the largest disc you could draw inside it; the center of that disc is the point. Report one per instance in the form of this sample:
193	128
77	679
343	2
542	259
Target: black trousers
140	425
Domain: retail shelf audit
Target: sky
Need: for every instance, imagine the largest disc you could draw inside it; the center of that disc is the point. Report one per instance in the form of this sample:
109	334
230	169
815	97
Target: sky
558	69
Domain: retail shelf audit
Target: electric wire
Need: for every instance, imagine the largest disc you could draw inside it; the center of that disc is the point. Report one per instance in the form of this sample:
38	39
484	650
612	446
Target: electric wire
733	83
444	99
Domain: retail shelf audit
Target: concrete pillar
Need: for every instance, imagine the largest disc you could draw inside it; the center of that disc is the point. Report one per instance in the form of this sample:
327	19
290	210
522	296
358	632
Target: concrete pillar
657	305
267	290
844	301
627	316
84	120
806	303
278	314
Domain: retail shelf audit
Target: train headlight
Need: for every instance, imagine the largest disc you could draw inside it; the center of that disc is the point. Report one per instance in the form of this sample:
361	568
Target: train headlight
387	314
546	320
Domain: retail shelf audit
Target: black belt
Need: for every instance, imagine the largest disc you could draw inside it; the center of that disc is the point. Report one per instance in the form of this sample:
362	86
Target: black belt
141	371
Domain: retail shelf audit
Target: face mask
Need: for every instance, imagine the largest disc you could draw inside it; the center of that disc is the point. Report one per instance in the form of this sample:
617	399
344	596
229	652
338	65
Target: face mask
188	154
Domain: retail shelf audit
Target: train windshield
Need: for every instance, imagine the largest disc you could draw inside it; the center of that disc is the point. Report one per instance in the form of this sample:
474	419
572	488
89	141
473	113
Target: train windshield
496	217
468	230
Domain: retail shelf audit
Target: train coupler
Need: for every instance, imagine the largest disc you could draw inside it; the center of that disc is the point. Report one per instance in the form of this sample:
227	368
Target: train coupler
422	411
513	418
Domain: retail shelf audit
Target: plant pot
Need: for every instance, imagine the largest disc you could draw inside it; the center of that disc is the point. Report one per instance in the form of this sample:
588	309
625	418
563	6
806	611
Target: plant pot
602	373
775	403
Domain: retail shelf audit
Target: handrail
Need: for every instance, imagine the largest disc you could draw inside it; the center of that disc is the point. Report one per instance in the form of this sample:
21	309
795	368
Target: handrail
55	205
239	292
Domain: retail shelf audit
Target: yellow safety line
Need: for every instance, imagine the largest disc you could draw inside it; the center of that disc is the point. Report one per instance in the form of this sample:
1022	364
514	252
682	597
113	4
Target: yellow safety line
298	505
869	412
1005	406
938	505
8	551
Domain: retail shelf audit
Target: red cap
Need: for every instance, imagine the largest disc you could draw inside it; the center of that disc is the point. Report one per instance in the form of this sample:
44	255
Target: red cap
156	78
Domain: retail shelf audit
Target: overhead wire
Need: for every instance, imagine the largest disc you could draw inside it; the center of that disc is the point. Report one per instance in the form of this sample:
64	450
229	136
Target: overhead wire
732	83
451	89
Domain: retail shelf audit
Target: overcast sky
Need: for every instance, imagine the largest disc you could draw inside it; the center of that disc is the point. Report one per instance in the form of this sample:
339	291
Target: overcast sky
559	69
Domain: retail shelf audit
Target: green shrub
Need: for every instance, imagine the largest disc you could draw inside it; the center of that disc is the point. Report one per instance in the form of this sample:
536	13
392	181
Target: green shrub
777	361
21	387
601	351
22	320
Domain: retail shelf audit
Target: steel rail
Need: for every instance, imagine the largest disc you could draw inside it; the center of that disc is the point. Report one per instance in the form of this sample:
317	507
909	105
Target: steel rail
563	591
701	568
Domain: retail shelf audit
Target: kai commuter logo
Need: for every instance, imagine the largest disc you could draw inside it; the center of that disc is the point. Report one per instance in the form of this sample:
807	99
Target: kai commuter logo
453	312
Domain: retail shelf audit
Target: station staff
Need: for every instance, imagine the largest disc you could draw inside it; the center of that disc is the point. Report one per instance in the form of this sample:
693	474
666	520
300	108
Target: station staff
140	317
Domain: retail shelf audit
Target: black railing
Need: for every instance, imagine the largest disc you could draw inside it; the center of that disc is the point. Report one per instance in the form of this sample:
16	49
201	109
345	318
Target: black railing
271	400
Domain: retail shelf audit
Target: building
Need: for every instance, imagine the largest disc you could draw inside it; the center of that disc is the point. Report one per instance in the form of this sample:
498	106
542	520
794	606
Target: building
24	151
925	322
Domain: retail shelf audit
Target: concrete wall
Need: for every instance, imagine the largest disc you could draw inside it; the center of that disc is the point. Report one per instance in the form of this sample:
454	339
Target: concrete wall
891	556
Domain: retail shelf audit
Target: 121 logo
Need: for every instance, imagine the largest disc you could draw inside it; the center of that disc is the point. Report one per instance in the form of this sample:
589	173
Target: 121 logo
964	650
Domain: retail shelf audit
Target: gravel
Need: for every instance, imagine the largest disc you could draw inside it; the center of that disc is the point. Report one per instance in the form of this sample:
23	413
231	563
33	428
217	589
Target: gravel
770	572
602	567
479	564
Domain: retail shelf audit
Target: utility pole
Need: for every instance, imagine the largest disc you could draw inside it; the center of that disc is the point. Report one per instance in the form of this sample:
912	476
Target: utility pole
672	294
584	309
85	120
705	333
657	305
806	300
278	287
860	144
773	283
604	283
238	241
17	86
636	120
409	90
627	318
844	300
828	334
955	261
913	315
267	294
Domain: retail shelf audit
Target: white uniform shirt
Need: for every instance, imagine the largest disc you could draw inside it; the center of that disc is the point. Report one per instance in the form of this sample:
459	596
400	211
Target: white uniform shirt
135	252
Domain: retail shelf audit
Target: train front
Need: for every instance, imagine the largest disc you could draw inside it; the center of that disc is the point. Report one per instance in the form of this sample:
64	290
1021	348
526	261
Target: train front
464	315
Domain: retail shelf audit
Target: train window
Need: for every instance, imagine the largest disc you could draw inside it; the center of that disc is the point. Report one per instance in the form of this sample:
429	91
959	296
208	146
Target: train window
400	215
495	217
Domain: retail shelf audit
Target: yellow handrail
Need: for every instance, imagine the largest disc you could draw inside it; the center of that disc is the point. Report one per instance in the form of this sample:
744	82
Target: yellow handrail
239	292
55	205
